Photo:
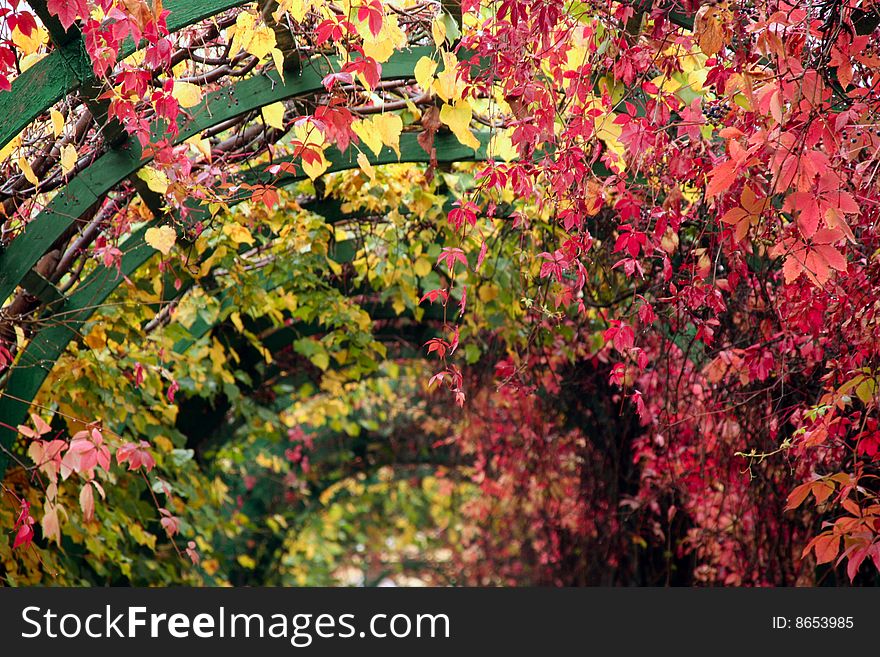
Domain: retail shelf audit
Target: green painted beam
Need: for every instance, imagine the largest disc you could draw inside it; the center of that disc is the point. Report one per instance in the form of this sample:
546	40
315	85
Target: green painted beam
113	167
36	361
63	70
37	285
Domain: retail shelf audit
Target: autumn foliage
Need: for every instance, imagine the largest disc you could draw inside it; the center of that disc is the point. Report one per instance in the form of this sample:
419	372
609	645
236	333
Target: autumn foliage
480	293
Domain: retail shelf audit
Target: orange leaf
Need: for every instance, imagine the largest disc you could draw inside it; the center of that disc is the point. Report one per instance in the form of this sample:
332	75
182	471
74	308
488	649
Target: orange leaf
798	495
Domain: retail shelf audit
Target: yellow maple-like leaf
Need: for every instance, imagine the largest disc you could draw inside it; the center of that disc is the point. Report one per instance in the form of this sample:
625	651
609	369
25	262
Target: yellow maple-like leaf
68	158
447	85
501	146
203	146
262	42
296	8
367	133
7	149
458	118
314	168
383	45
424	73
606	129
364	163
438	31
389	127
422	266
156	180
278	60
273	115
208	264
186	94
241	33
29	44
29	174
57	122
161	238
238	234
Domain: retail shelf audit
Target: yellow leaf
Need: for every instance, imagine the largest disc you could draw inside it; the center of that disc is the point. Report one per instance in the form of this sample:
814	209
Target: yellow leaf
501	146
219	254
241	33
11	146
97	338
141	536
438	32
321	359
296	8
381	51
273	115
866	390
161	238
313	169
57	122
389	127
458	118
156	180
163	444
488	292
186	94
203	146
364	163
398	305
383	45
68	158
278	60
447	85
366	132
246	561
422	266
238	234
424	72
262	42
27	171
29	44
607	130
236	321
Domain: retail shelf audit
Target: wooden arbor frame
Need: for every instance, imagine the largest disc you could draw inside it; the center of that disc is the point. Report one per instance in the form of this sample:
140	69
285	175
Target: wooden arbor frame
67	69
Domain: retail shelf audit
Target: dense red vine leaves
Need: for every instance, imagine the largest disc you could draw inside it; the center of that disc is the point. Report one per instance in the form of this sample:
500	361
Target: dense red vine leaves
745	223
677	218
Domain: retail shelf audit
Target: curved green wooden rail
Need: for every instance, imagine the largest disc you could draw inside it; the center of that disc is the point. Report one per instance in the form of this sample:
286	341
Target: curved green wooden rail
67	67
91	185
37	359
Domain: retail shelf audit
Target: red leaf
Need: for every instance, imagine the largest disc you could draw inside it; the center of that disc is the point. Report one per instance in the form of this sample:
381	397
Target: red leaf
67	11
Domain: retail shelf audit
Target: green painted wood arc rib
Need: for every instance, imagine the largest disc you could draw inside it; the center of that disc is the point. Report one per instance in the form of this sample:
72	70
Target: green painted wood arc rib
64	69
92	184
44	349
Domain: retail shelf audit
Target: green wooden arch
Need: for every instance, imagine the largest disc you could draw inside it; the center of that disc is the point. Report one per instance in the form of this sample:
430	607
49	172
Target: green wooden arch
67	67
34	364
92	184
